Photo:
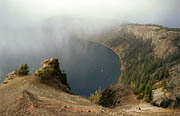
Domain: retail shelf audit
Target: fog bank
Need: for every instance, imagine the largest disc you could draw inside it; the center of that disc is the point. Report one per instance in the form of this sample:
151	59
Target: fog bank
30	25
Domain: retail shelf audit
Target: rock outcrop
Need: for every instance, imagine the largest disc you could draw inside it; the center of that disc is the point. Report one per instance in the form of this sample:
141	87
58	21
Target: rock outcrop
9	77
170	95
115	95
22	71
51	74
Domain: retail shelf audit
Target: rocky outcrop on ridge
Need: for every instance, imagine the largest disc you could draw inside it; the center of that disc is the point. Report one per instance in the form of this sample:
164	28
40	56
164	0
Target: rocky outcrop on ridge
51	74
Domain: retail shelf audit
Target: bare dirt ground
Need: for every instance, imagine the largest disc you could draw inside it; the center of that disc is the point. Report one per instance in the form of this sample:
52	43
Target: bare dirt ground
26	96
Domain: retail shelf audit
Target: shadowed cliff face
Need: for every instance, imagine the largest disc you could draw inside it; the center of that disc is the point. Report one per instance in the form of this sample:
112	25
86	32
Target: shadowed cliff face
89	66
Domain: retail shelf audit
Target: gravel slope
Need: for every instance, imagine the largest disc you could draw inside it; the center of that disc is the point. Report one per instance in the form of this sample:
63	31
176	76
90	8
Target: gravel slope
25	96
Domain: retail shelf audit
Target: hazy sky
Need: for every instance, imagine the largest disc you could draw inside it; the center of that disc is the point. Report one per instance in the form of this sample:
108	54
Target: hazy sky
16	12
19	18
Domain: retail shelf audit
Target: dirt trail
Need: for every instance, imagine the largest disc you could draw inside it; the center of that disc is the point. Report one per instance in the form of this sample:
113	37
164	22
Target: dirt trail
25	96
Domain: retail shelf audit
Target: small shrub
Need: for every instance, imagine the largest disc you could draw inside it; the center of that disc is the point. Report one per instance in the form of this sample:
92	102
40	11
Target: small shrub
140	97
45	74
148	92
23	70
96	97
164	84
157	29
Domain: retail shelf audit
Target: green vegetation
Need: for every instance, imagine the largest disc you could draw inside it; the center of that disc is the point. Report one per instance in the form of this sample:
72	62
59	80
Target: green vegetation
23	70
145	24
166	28
160	27
141	68
45	74
48	74
176	56
176	41
153	25
96	97
172	29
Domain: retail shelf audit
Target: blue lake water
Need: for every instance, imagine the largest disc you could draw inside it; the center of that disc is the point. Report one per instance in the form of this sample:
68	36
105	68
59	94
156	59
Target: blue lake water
89	66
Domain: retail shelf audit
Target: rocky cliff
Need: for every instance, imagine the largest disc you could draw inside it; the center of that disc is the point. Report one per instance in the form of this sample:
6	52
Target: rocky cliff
150	58
165	42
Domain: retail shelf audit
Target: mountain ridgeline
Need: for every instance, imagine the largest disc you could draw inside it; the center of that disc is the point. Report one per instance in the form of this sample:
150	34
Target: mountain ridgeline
150	58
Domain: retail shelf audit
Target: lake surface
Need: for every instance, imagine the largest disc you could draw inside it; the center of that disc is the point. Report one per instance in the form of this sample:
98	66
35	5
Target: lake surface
89	66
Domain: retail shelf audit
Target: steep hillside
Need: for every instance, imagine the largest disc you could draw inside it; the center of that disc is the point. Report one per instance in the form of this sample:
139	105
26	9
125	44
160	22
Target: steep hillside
43	95
26	96
150	56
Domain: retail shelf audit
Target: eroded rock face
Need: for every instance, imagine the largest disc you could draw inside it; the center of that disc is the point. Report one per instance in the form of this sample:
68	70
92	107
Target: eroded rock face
169	97
164	98
162	40
159	96
51	74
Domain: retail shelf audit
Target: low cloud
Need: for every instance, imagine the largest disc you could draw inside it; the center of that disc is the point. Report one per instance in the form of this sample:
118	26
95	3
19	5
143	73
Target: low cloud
28	25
